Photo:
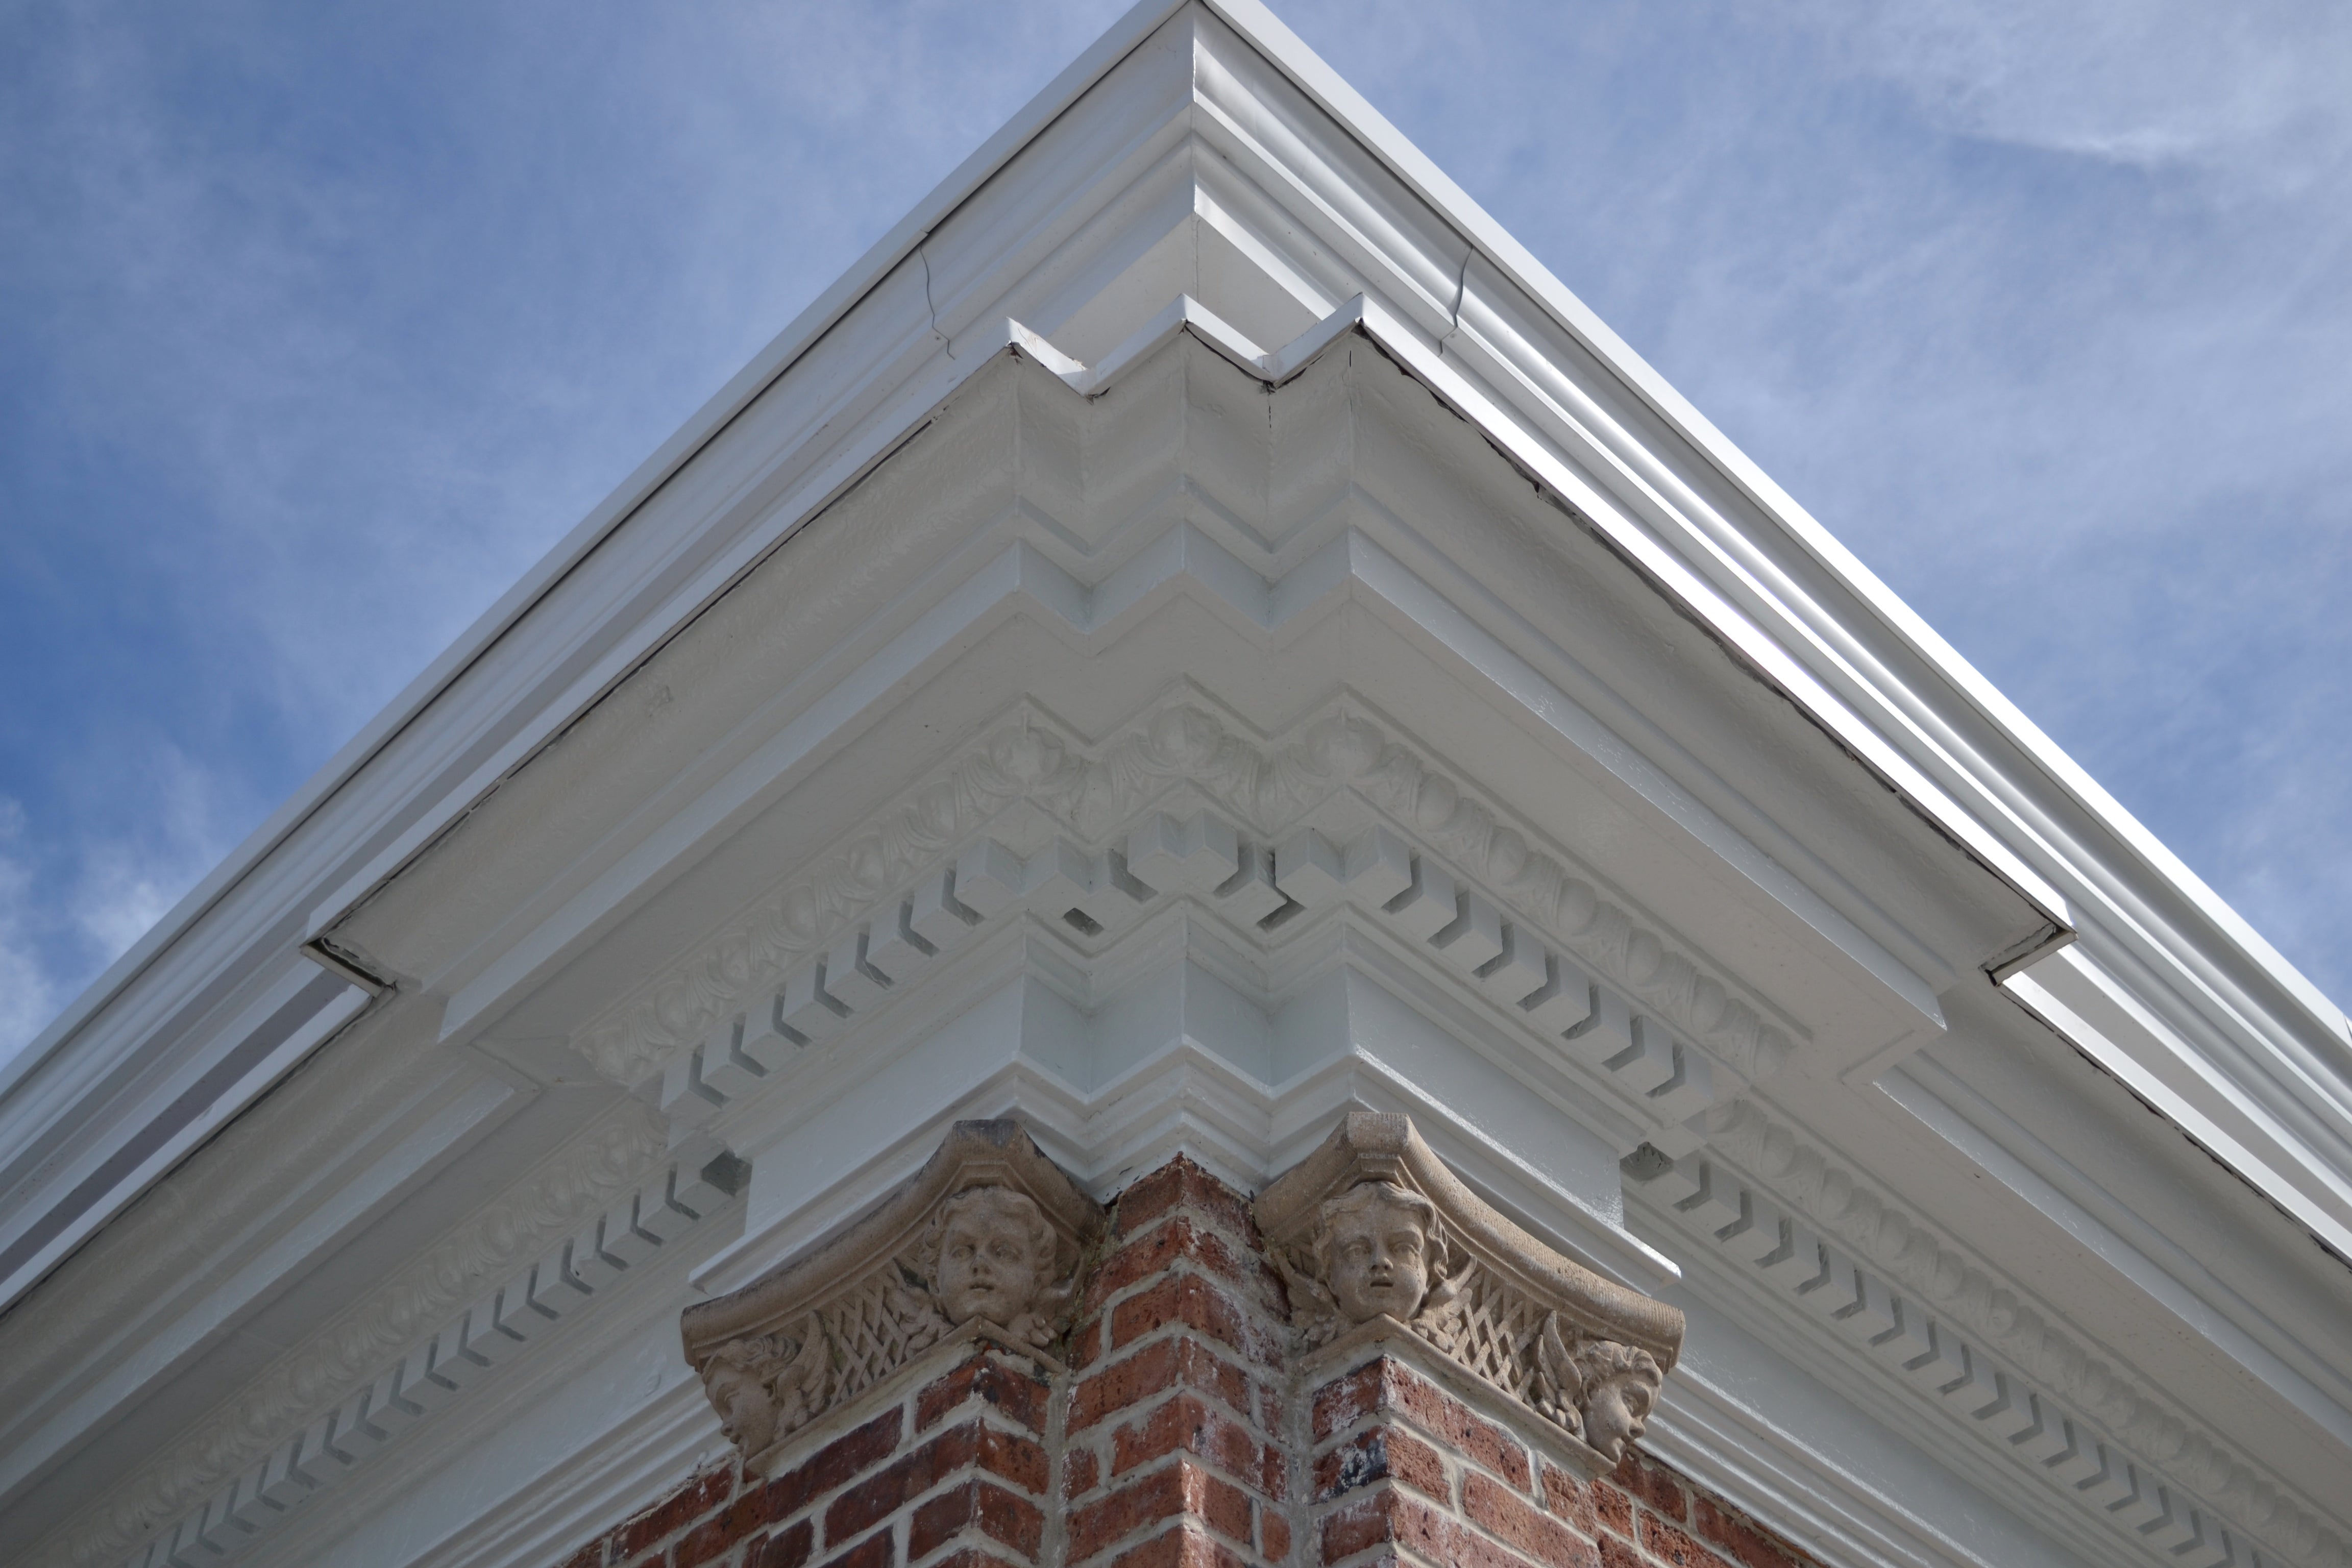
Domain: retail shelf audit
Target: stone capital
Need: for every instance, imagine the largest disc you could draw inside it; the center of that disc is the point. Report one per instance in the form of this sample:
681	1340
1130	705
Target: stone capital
1373	1229
988	1236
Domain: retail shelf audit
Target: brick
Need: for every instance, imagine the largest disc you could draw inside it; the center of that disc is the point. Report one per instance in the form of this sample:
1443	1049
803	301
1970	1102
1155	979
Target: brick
1161	1365
976	1505
875	1551
1199	1305
748	1513
1386	1385
1653	1483
1017	1394
676	1511
706	1542
885	1492
839	1461
1391	1518
1174	1241
1384	1453
1612	1508
1183	1182
1615	1553
1565	1496
1016	1458
1742	1538
1123	1384
1189	1424
1089	1339
1013	1457
1227	1510
1273	1536
589	1556
786	1549
1510	1519
1080	1471
1180	1491
1671	1547
1149	1501
1179	1548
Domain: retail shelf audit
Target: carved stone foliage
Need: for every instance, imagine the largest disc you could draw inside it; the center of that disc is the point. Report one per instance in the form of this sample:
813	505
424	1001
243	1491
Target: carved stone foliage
1092	790
1372	1226
990	1231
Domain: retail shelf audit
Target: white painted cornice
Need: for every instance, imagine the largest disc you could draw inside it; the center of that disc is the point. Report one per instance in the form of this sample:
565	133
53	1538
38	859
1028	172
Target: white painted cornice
1481	321
400	1354
1758	824
1946	1330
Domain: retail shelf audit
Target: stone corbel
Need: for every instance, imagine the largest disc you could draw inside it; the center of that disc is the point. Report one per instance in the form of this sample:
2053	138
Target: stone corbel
987	1237
1372	1233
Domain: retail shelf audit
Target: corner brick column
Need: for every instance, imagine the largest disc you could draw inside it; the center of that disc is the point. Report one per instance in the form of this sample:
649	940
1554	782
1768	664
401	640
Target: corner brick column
1173	1449
1187	1432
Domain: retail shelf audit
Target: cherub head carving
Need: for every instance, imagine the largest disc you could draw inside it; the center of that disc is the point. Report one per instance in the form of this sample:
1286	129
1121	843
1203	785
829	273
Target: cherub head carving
1621	1385
736	1378
1379	1247
995	1260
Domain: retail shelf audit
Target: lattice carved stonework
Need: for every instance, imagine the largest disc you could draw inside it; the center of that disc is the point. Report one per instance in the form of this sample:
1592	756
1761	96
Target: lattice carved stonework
988	1236
1371	1229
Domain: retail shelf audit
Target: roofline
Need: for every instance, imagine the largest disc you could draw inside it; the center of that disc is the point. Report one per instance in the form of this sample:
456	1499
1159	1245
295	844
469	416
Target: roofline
1264	32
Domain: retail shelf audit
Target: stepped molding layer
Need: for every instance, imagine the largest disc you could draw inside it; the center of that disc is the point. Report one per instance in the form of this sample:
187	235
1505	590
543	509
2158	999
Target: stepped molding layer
1817	1232
404	1350
1104	797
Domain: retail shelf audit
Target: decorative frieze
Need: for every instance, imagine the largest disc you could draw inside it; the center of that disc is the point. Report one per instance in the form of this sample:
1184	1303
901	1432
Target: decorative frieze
1937	1318
593	1214
987	1237
1513	922
1372	1228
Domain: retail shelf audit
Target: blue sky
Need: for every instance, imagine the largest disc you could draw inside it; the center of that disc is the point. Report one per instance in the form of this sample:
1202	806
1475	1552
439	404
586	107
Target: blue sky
319	323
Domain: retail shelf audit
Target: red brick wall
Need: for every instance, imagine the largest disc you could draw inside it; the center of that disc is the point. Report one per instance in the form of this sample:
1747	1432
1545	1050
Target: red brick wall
954	1472
1404	1472
1180	1440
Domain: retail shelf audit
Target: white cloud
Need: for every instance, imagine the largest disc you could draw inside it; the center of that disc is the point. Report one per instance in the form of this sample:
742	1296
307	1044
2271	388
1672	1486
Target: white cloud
2255	90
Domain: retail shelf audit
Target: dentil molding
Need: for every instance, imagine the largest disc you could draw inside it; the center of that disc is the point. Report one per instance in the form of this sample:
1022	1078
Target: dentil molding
1823	1236
603	1202
814	949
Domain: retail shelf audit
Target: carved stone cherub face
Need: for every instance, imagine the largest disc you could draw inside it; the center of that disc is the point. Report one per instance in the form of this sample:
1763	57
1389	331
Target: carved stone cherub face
996	1257
1621	1388
739	1392
1375	1243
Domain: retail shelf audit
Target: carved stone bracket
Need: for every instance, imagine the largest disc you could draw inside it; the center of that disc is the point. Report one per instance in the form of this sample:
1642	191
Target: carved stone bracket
1372	1226
989	1233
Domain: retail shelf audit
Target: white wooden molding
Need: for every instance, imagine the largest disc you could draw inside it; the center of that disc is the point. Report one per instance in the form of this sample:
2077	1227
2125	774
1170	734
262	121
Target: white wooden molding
809	958
385	1363
1936	1320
